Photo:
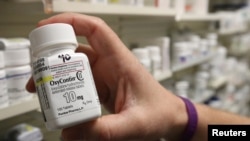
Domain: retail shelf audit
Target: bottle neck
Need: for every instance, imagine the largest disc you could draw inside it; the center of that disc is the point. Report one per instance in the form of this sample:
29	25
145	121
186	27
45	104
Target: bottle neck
56	50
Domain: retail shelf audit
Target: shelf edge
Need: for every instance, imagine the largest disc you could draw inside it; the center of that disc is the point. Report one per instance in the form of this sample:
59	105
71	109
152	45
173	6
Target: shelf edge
112	9
20	108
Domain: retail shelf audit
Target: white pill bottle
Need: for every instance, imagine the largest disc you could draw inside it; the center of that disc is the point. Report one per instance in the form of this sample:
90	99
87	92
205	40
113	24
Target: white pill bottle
4	98
63	78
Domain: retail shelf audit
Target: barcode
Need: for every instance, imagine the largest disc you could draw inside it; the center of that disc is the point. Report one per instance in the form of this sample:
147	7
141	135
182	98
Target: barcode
43	97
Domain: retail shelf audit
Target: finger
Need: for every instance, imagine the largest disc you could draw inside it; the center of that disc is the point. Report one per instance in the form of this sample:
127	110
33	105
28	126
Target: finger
30	86
92	56
67	135
99	35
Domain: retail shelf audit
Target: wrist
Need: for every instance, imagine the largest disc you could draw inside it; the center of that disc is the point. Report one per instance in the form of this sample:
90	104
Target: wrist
180	121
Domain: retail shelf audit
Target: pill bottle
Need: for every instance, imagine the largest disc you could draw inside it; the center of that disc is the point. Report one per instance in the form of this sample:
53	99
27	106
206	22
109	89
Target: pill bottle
155	57
201	80
17	78
4	99
204	48
142	54
164	44
195	41
17	57
63	78
181	53
18	72
212	41
182	88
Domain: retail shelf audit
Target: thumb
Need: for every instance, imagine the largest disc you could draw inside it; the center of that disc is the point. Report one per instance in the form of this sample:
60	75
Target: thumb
106	128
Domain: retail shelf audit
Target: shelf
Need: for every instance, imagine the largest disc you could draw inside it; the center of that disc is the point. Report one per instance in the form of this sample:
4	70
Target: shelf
233	31
57	6
198	17
196	61
112	9
20	108
238	52
163	76
115	9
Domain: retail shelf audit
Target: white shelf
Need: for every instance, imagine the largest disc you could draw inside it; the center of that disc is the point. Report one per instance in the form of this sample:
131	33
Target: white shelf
239	52
163	76
198	17
81	7
115	9
233	31
196	61
20	108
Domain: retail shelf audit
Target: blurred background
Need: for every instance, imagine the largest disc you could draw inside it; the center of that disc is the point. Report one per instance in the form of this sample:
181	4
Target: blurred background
197	49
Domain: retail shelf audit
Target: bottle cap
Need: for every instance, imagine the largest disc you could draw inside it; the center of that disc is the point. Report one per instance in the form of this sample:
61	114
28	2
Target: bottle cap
154	51
212	36
46	37
17	57
141	53
182	85
14	43
180	46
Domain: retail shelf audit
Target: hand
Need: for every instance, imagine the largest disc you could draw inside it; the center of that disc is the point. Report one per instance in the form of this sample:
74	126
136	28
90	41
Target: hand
141	109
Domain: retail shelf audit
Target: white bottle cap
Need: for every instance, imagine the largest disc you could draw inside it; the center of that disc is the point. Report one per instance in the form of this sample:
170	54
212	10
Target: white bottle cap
14	43
182	85
154	51
17	57
2	73
164	41
194	38
2	62
141	53
212	36
46	37
180	47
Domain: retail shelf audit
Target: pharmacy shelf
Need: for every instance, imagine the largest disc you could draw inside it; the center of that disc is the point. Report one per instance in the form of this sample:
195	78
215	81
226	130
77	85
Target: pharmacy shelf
195	62
218	82
197	17
239	52
57	6
20	108
163	76
238	30
111	9
115	9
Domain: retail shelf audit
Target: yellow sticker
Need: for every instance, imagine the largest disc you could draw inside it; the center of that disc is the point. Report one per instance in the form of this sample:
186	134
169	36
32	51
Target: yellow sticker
28	128
44	80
